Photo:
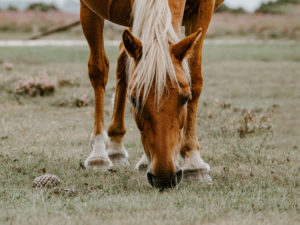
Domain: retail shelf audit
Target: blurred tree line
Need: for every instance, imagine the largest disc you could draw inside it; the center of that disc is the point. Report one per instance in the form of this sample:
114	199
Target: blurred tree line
276	7
40	6
44	7
224	8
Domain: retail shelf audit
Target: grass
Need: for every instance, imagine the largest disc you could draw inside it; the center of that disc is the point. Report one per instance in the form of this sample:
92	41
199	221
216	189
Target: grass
256	175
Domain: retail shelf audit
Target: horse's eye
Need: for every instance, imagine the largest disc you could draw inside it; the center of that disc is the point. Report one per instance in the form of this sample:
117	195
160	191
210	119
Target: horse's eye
133	100
184	99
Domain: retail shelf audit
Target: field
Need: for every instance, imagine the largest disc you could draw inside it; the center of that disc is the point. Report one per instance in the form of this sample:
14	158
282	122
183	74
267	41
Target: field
21	25
248	127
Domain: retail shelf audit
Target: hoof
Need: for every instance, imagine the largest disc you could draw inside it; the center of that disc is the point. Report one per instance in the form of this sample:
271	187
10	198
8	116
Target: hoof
201	175
142	165
195	168
98	163
117	153
119	160
142	168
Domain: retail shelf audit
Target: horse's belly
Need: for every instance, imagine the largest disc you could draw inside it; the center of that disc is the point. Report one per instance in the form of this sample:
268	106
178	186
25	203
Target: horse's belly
116	11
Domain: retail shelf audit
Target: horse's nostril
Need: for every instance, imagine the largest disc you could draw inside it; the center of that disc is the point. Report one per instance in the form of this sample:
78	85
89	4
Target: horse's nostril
150	177
178	176
165	182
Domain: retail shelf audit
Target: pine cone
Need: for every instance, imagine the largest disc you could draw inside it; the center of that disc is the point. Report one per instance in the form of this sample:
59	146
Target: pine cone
47	180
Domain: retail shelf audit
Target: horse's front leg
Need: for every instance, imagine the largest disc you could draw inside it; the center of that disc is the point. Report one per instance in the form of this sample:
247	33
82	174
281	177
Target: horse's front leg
194	167
98	67
116	131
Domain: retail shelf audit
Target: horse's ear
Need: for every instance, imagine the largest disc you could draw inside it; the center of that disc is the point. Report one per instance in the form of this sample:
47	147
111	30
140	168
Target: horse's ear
184	48
132	45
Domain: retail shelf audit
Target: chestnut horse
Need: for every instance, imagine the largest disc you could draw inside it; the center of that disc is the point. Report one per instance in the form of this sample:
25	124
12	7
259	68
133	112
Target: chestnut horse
152	70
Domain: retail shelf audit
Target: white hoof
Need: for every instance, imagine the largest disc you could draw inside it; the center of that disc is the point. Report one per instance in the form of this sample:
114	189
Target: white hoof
195	168
98	158
200	175
142	165
117	153
95	162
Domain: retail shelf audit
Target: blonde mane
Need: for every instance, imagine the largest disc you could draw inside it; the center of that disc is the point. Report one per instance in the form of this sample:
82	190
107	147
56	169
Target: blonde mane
152	25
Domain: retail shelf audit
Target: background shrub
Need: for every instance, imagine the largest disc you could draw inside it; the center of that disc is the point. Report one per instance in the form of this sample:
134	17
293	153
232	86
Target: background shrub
44	7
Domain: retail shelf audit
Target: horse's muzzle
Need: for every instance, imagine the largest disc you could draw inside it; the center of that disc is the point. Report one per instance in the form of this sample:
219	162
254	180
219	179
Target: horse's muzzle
162	183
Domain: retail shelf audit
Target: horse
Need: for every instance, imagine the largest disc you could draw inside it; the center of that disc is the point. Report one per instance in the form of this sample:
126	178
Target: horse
161	76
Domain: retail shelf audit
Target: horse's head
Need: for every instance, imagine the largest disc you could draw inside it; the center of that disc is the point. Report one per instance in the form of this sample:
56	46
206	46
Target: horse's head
161	122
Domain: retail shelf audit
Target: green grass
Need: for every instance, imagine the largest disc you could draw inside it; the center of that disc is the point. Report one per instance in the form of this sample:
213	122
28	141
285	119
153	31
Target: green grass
256	176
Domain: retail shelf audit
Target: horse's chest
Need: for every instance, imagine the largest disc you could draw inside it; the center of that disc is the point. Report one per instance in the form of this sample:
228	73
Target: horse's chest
116	11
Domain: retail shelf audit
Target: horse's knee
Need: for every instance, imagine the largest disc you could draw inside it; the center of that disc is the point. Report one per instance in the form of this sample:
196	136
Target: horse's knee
98	72
121	66
197	84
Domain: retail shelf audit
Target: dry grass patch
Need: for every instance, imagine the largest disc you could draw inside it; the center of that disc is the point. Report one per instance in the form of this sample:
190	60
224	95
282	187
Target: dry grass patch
256	175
